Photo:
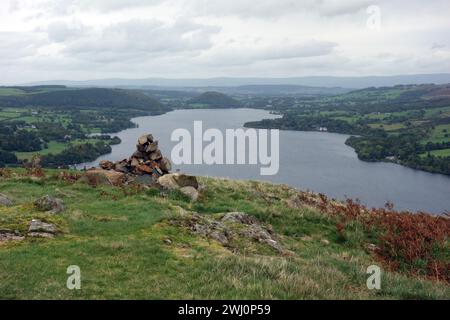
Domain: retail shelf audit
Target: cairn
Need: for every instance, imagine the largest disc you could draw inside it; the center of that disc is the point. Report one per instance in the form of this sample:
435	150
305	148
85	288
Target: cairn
146	166
146	160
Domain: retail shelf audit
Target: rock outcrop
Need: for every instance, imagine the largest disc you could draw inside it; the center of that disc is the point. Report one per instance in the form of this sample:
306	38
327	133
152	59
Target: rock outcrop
9	235
231	229
39	229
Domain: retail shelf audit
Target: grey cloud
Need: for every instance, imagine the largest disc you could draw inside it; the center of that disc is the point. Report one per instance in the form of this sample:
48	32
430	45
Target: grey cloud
60	31
242	55
311	48
142	38
109	5
437	46
17	45
62	7
13	6
413	39
273	9
330	8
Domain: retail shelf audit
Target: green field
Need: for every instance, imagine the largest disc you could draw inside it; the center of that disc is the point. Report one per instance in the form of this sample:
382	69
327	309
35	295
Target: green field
441	153
438	112
441	133
10	92
127	249
54	147
387	127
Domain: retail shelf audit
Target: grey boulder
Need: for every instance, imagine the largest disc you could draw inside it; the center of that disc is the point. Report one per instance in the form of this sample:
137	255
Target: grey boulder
190	192
37	226
49	204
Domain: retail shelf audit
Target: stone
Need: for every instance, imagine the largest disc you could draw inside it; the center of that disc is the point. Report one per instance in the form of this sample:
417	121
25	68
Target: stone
152	147
239	217
141	148
121	166
138	155
106	165
219	236
49	204
256	232
145	180
135	162
190	192
165	165
145	139
5	201
103	177
9	235
155	155
230	226
325	242
177	181
184	180
37	226
144	168
95	177
146	161
168	181
41	235
159	171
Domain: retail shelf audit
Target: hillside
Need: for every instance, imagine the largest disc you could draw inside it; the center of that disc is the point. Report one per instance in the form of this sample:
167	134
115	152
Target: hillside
57	122
295	90
213	99
138	243
406	124
91	97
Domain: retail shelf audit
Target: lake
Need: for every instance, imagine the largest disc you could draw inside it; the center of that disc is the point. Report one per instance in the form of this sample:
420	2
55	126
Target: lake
317	161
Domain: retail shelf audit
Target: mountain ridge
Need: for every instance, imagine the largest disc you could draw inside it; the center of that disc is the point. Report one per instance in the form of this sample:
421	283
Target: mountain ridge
349	82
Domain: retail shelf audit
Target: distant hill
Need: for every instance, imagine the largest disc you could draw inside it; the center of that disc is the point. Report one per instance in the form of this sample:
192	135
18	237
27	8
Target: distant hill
314	81
17	90
214	99
248	90
286	90
90	97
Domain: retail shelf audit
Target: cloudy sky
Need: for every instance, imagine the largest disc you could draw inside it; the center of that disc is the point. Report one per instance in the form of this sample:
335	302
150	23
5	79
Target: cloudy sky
94	39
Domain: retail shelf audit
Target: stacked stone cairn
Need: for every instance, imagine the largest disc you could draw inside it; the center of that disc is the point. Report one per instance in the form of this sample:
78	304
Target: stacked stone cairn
146	160
146	166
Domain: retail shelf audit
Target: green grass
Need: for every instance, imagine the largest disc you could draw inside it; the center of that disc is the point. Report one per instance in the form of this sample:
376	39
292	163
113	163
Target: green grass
118	242
388	127
438	134
10	92
54	147
438	112
441	153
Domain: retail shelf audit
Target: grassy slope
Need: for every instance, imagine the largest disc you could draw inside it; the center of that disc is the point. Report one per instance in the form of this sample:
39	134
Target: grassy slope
118	241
